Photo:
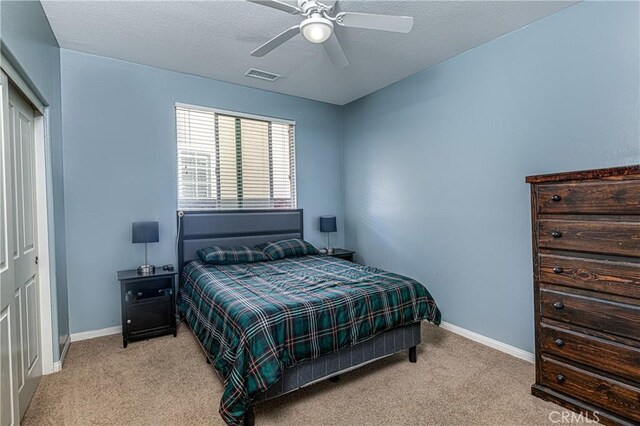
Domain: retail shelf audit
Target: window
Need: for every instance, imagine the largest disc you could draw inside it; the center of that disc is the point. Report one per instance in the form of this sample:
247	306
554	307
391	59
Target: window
228	160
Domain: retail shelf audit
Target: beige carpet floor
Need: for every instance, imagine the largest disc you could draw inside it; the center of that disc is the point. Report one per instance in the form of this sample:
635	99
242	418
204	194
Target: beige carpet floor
165	381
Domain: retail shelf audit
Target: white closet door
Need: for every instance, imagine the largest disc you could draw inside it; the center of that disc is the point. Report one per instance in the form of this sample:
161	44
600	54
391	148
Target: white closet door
9	318
21	364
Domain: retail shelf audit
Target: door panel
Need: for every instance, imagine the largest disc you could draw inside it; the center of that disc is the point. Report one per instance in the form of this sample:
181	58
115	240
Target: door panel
9	399
26	192
12	187
19	328
4	240
31	316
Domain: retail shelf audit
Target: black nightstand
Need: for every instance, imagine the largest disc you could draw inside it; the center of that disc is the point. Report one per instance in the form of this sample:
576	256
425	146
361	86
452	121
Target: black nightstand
342	254
148	304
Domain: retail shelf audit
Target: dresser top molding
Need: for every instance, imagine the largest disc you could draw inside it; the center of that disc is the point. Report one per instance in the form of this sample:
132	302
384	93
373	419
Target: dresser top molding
586	174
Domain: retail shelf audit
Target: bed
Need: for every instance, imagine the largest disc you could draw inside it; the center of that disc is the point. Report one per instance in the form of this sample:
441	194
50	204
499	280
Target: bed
270	328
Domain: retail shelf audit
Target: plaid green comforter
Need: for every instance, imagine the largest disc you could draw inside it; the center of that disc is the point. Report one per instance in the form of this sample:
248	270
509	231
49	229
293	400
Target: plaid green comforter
257	319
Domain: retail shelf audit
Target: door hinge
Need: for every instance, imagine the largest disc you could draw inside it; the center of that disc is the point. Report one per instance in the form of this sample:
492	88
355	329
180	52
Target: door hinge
36	260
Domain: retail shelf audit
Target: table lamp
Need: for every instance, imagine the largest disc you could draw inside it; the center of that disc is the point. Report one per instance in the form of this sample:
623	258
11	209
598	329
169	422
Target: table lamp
145	232
328	225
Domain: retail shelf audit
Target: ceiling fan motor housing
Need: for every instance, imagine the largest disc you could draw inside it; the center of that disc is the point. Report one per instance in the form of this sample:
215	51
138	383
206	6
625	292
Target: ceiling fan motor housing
309	7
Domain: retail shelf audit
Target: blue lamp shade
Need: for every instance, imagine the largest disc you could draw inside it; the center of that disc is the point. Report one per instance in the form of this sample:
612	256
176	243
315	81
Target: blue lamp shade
144	232
328	224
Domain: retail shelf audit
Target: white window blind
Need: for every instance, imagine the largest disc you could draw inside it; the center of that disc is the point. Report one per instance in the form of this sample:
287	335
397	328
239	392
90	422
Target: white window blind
229	161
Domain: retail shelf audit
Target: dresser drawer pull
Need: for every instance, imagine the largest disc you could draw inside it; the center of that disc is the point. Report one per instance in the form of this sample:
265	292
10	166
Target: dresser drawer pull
556	234
128	321
560	378
558	270
556	198
559	343
558	305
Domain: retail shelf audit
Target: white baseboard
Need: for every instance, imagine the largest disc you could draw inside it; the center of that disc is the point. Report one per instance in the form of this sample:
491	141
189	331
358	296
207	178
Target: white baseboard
57	366
76	337
487	341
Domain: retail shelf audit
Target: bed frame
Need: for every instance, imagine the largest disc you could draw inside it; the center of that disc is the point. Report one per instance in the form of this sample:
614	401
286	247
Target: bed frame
199	229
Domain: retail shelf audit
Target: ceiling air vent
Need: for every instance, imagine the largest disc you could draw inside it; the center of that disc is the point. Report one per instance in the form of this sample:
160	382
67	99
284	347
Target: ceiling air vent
262	75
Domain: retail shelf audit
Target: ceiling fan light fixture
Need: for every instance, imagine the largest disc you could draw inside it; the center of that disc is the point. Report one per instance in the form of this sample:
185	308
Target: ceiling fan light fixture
316	28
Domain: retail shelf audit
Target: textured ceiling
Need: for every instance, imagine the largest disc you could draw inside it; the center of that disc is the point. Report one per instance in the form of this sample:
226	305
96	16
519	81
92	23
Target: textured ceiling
214	38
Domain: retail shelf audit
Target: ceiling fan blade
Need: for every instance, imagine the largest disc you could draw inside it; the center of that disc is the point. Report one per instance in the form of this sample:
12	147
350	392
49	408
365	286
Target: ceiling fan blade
398	24
276	41
335	52
275	4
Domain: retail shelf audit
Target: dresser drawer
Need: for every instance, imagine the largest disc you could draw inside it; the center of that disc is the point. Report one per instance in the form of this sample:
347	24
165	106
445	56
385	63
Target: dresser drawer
618	238
609	197
611	317
622	278
612	395
609	356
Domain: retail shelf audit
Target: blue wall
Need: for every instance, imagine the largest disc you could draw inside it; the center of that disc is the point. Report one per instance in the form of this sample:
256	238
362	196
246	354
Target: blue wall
434	165
28	41
120	167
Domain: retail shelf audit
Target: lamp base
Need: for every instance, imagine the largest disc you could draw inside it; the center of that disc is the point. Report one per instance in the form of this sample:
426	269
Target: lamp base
146	270
329	250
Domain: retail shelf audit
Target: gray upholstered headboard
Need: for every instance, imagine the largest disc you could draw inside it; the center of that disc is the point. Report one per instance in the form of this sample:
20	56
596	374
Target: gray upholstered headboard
200	229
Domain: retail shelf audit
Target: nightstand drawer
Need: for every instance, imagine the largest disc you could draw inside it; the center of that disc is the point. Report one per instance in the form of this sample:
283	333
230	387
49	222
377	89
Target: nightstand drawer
149	294
348	256
149	284
341	254
149	316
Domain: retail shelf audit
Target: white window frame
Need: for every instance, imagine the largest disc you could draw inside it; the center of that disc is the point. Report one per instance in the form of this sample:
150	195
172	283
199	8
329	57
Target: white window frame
218	204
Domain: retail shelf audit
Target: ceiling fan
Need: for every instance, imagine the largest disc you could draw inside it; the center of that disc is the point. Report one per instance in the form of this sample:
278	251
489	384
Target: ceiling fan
318	25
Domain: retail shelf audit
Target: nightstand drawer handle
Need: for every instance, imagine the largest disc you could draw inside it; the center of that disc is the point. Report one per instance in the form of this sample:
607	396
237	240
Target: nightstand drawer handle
558	305
558	270
560	378
559	342
139	294
128	321
556	234
556	198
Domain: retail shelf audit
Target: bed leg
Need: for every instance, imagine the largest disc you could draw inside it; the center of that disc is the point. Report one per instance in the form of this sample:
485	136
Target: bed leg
249	417
413	354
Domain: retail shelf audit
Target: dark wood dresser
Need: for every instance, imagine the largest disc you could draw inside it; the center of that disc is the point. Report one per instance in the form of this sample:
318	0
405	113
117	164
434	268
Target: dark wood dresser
586	270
